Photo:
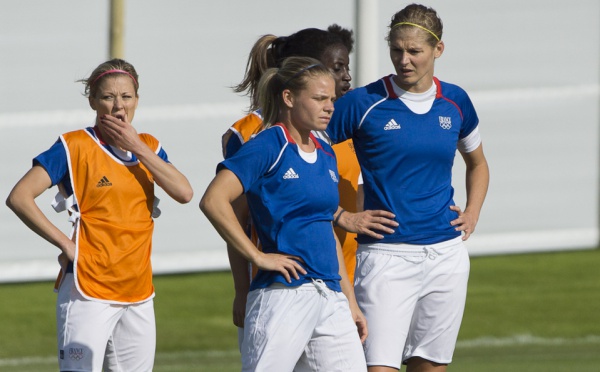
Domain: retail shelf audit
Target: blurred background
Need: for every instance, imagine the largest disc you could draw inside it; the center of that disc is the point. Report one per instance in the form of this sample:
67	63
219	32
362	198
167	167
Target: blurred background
530	67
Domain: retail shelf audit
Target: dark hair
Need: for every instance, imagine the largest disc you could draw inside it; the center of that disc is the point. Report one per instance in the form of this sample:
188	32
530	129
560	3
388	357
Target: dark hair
294	74
270	51
344	34
310	42
91	83
422	16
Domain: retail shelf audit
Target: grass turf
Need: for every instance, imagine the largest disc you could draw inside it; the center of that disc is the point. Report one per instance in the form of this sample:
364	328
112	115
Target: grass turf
532	312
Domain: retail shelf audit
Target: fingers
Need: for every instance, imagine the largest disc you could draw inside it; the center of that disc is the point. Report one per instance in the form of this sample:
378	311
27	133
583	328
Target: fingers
361	324
371	233
239	309
464	223
384	217
238	319
291	267
120	131
375	222
288	266
111	126
63	260
363	332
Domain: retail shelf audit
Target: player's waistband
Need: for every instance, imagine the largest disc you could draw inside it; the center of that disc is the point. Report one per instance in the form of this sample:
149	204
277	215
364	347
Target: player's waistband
402	249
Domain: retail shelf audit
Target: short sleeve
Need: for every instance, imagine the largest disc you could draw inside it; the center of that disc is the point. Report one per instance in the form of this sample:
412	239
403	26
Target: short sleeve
54	161
254	159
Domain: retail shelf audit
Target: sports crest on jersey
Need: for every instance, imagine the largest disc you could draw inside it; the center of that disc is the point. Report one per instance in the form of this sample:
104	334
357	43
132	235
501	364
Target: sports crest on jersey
445	122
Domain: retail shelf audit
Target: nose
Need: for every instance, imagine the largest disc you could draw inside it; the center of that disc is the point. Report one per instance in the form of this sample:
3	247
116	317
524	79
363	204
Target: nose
347	76
329	107
404	59
118	103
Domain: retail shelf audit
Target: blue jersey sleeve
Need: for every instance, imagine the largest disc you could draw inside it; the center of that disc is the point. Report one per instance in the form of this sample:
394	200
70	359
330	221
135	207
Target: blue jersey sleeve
350	110
470	119
467	111
163	155
232	146
254	159
54	161
343	121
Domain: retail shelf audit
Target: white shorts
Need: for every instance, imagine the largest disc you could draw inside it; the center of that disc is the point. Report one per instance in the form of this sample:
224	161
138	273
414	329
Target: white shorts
413	297
90	330
305	328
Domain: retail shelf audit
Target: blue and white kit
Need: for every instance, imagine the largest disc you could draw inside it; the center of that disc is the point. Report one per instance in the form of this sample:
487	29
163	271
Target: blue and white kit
412	284
291	202
406	158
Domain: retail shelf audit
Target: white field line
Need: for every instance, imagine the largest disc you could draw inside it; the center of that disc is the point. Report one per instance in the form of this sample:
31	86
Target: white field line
164	356
524	340
79	117
516	340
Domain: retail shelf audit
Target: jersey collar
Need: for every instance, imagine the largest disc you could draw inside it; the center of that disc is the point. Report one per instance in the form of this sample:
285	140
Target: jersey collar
291	140
389	87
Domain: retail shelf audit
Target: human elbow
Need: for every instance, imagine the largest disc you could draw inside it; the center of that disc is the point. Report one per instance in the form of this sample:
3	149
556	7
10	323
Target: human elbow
11	201
186	196
205	204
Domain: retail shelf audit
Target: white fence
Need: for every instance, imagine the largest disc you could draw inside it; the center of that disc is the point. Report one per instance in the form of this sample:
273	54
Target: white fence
531	68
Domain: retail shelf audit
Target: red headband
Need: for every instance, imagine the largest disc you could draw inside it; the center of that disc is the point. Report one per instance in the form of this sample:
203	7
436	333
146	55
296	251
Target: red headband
115	71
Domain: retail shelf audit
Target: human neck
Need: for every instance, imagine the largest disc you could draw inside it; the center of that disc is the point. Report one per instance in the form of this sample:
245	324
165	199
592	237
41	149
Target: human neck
301	137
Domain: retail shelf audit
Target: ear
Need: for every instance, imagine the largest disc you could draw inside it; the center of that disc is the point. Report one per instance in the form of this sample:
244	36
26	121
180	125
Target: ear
92	102
439	49
288	98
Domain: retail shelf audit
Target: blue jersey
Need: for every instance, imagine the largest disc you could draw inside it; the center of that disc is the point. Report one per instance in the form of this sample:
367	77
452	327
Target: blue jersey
406	158
54	161
291	202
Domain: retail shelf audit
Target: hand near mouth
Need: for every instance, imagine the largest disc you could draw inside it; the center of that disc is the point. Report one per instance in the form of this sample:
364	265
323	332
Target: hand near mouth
120	133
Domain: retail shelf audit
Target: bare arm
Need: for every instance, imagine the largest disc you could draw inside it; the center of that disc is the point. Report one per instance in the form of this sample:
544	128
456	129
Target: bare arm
477	181
216	205
360	198
348	290
239	266
124	135
21	200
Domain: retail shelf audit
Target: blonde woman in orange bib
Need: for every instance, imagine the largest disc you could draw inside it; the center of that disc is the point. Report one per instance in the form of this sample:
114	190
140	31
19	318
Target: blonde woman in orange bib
105	175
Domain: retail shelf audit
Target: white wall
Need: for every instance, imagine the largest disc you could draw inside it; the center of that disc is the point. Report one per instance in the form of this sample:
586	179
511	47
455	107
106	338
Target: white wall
531	68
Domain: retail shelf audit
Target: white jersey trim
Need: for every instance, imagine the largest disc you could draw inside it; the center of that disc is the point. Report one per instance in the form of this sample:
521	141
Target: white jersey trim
470	142
280	152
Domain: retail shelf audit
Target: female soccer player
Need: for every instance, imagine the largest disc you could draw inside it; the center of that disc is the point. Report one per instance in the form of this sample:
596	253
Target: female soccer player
297	317
332	47
412	284
106	175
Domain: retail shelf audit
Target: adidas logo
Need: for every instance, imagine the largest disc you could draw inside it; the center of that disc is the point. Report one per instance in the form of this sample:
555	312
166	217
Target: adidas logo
391	125
290	174
103	182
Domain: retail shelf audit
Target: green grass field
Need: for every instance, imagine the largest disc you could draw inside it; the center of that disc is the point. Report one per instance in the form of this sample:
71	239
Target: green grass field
533	313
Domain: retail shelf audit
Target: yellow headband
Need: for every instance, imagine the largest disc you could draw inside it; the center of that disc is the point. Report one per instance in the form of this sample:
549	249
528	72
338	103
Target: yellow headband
416	25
